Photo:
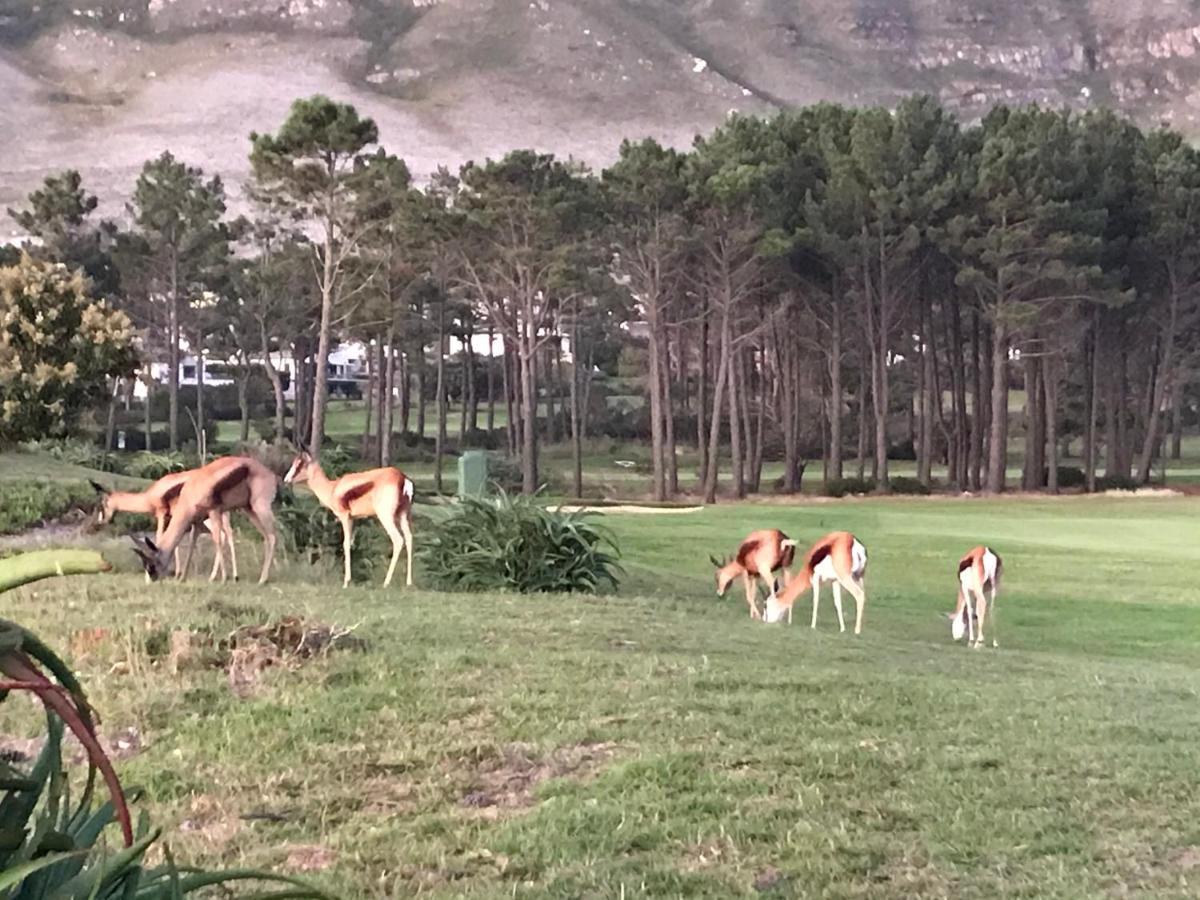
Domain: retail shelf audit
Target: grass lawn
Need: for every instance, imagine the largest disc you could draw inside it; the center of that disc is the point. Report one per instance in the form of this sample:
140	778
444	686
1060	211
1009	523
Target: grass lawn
659	744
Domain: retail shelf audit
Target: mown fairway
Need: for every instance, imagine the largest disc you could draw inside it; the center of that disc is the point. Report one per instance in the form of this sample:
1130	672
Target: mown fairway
659	744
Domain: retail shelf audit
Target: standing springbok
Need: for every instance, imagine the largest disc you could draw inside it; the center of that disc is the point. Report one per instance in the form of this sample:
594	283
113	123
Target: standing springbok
838	557
384	493
760	555
978	571
157	501
210	492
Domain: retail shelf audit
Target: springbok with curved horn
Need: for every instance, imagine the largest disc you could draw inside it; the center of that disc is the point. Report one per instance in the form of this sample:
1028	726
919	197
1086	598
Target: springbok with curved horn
978	571
229	483
839	558
386	494
158	501
760	555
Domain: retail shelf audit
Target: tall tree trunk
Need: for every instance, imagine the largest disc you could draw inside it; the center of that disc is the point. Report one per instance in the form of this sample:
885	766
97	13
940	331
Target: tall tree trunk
324	336
927	387
736	462
654	382
714	425
405	391
368	400
148	423
529	461
701	393
576	423
389	393
491	379
998	439
860	460
975	448
382	398
439	442
1091	391
669	421
508	379
1178	385
1035	421
958	449
1164	367
173	357
276	388
835	391
110	420
201	446
1049	378
421	396
243	395
756	457
472	401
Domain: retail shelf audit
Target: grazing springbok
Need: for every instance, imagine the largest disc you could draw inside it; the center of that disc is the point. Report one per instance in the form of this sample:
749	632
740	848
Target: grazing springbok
211	492
157	501
760	555
386	494
978	571
839	558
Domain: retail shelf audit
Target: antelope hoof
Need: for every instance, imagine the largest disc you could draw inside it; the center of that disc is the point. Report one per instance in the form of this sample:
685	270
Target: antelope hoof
995	645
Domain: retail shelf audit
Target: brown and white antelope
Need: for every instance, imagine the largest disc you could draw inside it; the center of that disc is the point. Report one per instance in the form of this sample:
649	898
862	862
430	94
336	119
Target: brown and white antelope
978	571
839	558
384	493
211	492
157	501
760	555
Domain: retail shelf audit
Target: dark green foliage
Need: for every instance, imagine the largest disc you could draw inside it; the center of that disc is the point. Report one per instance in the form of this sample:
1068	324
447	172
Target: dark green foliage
841	487
1069	477
1116	483
513	543
153	466
24	504
504	472
902	484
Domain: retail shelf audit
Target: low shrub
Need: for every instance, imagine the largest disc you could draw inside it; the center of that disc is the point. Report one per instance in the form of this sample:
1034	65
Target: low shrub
504	472
842	487
902	484
513	543
1116	483
153	466
1068	477
25	504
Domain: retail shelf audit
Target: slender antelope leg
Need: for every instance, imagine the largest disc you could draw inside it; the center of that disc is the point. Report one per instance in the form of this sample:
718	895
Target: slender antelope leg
749	587
216	528
227	531
181	574
816	599
389	525
970	616
995	643
263	519
347	543
982	606
860	601
406	530
837	604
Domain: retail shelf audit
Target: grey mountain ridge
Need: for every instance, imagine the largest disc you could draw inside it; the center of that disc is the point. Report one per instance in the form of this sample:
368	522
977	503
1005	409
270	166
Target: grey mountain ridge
104	86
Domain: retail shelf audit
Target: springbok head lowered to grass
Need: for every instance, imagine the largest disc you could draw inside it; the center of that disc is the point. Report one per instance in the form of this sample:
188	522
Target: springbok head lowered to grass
727	570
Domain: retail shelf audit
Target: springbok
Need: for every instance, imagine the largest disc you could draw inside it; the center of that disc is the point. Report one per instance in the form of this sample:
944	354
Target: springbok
760	555
978	571
210	492
157	501
384	493
838	557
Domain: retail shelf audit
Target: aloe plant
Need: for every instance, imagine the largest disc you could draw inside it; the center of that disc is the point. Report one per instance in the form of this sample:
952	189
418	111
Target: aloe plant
49	846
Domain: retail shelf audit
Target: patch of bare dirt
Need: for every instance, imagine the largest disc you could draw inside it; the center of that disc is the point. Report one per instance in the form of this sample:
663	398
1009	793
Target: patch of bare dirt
311	858
508	781
118	744
210	821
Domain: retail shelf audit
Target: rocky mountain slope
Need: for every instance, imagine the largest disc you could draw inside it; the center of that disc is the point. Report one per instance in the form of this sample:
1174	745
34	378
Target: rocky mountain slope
103	85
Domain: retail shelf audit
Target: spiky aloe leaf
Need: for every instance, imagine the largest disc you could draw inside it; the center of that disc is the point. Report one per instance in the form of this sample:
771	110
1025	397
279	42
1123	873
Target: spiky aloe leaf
29	567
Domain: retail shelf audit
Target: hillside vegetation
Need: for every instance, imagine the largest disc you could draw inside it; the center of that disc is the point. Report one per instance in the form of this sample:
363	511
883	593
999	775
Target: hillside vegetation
109	83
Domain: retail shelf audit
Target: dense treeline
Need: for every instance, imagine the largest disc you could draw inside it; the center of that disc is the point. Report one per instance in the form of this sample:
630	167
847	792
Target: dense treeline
856	285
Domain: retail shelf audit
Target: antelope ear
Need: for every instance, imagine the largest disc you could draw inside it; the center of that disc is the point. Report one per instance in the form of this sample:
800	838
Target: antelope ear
712	559
98	487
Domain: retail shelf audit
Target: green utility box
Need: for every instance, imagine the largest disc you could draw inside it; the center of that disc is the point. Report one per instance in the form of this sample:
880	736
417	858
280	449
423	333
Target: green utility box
472	473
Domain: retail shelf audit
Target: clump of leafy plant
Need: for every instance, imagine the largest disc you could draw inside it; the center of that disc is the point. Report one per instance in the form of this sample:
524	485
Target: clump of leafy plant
842	487
154	465
511	542
24	504
49	846
904	484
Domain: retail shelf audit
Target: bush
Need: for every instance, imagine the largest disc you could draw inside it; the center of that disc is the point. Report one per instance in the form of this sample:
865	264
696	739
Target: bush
25	504
153	466
1068	477
505	473
841	487
902	450
513	543
1116	483
313	533
902	484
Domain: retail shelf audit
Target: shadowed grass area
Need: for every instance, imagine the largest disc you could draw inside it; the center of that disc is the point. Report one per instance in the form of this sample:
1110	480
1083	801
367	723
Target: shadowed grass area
658	743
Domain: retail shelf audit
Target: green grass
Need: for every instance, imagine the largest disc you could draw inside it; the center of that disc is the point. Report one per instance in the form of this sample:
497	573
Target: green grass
657	743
